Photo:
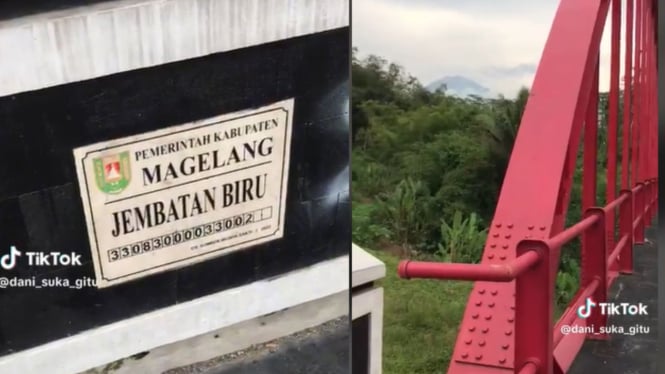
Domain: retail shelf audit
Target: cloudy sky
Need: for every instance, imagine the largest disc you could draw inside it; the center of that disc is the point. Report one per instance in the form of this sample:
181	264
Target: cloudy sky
496	43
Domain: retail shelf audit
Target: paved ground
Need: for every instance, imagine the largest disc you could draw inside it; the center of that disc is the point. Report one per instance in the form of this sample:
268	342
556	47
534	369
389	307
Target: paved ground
624	354
321	350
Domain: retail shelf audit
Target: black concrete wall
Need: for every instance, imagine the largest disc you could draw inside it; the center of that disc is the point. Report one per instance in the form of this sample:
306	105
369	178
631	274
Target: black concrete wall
20	8
40	205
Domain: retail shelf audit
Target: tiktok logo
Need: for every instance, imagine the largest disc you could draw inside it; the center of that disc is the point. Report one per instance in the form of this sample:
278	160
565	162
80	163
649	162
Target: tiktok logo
8	261
585	310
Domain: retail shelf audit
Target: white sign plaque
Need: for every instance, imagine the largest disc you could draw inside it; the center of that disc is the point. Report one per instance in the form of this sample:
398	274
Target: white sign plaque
176	196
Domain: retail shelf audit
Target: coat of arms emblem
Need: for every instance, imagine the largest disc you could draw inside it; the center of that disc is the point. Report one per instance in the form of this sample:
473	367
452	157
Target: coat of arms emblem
112	172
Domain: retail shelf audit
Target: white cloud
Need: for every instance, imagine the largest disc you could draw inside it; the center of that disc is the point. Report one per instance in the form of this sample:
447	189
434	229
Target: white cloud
433	40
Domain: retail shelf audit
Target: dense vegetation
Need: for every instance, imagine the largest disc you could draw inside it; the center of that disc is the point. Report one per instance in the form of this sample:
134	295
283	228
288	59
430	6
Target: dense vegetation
427	167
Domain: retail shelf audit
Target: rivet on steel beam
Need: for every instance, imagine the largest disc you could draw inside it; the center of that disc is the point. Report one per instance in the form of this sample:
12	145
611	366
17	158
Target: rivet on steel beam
481	343
478	357
465	355
491	305
502	257
507	236
472	328
512	307
530	227
505	246
496	235
505	346
498	224
485	330
542	228
503	360
494	292
488	317
481	291
479	303
511	319
468	341
492	245
509	332
490	256
474	315
510	225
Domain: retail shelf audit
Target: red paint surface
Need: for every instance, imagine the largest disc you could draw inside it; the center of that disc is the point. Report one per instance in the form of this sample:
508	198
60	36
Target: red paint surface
506	327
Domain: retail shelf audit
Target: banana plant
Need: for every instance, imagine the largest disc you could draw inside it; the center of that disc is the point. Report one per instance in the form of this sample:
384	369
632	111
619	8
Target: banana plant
462	239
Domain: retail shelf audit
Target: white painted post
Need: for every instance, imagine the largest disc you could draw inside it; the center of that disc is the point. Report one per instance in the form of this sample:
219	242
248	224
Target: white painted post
368	301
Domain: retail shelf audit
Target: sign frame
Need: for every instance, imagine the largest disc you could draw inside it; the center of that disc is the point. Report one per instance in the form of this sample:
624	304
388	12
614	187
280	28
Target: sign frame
95	191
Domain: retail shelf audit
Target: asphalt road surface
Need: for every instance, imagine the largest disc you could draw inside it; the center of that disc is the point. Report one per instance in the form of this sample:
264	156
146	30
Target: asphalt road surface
321	350
626	353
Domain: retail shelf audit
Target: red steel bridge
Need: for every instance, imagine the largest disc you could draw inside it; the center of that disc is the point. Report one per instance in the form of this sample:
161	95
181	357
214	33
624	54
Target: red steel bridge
508	325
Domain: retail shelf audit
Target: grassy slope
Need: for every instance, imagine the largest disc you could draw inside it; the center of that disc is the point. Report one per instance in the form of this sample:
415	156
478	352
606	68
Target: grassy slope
421	318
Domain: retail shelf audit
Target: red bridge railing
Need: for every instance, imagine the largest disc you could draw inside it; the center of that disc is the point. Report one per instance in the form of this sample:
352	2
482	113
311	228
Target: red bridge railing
507	325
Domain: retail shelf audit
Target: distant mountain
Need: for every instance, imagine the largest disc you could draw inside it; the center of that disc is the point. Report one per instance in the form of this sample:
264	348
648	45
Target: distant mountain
459	86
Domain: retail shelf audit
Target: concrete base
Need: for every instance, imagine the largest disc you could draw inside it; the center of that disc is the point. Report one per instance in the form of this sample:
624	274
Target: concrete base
231	339
248	315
